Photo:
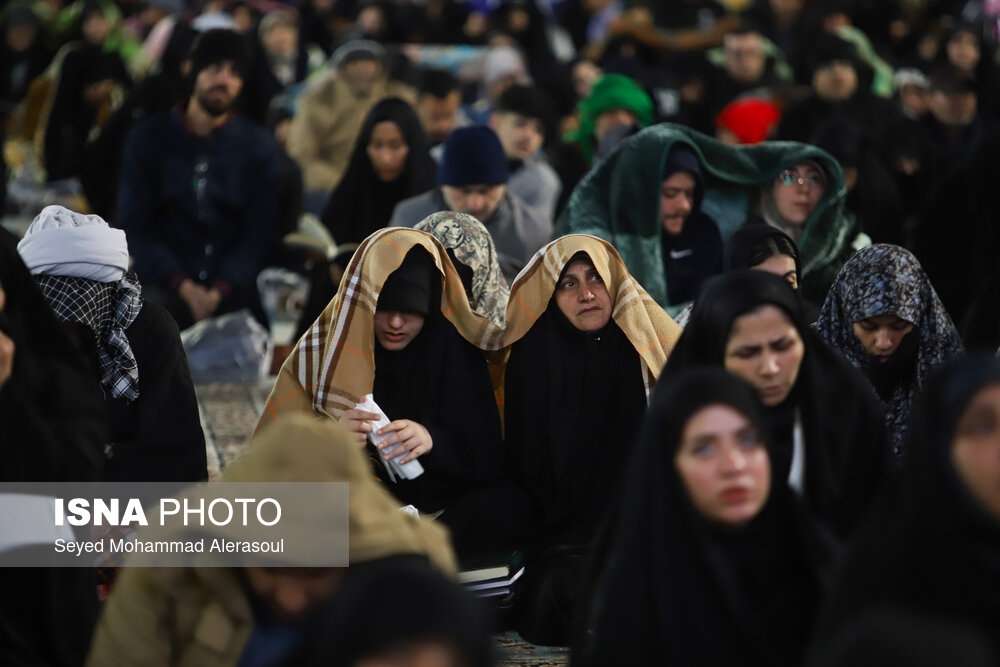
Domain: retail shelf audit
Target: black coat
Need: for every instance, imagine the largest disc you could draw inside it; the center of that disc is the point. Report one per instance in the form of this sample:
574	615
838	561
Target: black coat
930	548
52	429
669	588
441	381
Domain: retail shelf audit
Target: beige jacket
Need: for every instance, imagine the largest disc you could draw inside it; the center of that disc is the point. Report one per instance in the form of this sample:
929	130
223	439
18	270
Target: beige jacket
327	123
201	617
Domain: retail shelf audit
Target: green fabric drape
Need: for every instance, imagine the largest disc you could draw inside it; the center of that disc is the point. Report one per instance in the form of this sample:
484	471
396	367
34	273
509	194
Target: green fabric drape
619	201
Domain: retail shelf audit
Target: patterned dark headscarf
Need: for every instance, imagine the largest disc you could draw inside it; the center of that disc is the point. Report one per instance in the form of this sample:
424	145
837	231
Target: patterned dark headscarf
885	279
471	244
107	309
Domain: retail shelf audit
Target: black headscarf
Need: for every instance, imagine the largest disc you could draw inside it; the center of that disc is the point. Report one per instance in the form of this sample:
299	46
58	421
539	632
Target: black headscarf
737	253
362	202
930	547
678	590
573	401
441	381
433	608
845	448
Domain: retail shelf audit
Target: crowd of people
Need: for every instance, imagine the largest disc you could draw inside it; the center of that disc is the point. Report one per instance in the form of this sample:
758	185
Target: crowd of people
691	304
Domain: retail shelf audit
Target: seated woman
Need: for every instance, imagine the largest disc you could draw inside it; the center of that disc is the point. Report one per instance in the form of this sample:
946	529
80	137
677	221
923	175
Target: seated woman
763	248
828	427
883	315
931	547
399	328
586	343
87	76
389	163
623	193
710	561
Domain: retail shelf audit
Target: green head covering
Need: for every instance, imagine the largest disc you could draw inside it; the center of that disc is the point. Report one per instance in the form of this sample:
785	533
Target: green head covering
612	91
619	201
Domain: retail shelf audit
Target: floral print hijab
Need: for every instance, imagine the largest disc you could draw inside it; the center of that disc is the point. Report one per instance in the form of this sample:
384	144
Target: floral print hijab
885	279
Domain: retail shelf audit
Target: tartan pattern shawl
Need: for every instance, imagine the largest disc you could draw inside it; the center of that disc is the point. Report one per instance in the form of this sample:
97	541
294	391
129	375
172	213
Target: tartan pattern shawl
647	326
333	364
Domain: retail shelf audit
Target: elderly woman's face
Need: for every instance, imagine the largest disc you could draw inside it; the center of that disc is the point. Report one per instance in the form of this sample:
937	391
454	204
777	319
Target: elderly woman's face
975	449
797	192
582	296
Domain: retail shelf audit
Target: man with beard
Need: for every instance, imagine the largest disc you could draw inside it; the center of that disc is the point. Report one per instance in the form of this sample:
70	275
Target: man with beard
197	196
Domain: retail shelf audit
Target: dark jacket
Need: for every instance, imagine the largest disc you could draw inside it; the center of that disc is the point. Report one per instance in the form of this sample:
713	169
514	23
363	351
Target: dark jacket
199	207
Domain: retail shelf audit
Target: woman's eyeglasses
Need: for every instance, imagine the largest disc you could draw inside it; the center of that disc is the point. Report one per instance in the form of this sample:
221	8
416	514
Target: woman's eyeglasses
789	178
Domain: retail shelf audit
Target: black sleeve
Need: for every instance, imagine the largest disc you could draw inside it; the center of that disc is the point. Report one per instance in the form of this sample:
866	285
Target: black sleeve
168	443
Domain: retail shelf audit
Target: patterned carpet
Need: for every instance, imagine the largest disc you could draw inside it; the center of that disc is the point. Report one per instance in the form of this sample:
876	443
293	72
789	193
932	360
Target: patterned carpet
229	413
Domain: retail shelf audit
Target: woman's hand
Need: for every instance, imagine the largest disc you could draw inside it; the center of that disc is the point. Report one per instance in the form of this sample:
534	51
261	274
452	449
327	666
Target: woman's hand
358	422
413	438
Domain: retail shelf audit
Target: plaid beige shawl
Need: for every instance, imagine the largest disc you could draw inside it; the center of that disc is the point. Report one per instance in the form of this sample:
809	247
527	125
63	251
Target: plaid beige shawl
333	364
651	331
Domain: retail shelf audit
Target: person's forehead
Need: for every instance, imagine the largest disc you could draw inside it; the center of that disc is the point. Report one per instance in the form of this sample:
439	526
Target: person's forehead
479	187
452	99
744	40
518	117
579	266
679	179
807	168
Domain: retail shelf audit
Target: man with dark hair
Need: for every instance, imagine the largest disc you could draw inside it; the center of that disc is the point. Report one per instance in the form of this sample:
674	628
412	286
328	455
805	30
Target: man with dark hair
439	105
198	197
522	117
472	179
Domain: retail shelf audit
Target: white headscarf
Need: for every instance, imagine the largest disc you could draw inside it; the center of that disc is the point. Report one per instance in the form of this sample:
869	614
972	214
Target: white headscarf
62	242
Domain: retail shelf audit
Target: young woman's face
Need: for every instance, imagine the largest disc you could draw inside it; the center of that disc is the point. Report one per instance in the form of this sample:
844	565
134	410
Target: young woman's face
724	465
975	450
881	335
766	350
582	296
782	266
395	329
387	150
797	192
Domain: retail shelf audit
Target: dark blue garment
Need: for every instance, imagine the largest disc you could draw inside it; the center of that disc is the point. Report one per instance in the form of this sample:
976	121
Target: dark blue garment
691	257
270	644
205	208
